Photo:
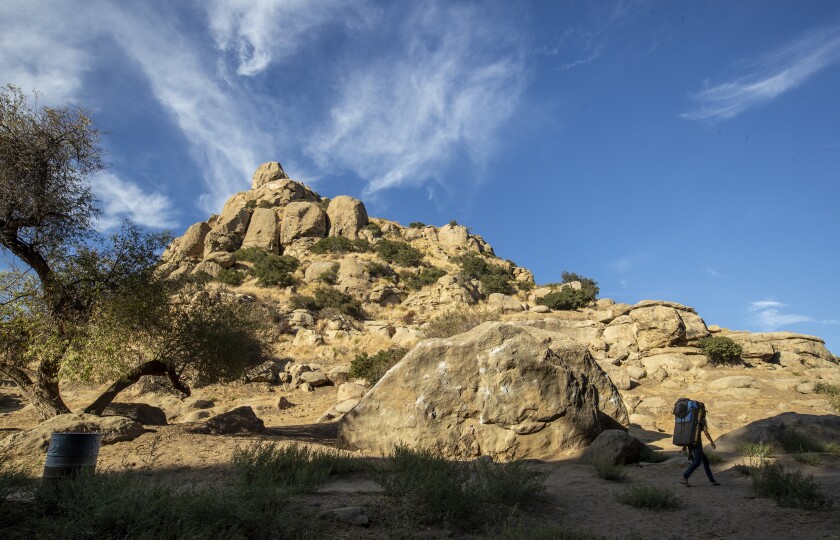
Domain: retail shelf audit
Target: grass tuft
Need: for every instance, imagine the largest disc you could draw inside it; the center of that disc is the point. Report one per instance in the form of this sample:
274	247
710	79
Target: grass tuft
787	488
647	496
758	450
608	471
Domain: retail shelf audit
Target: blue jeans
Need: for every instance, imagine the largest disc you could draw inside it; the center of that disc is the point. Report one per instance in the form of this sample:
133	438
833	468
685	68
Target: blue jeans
697	456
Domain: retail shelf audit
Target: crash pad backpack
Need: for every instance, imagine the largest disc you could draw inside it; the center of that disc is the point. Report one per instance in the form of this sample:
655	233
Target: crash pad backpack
688	416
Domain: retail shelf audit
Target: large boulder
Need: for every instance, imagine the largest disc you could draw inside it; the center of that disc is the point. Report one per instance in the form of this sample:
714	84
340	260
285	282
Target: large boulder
228	232
657	326
347	216
146	414
33	441
301	220
268	172
188	246
616	447
496	389
239	420
263	231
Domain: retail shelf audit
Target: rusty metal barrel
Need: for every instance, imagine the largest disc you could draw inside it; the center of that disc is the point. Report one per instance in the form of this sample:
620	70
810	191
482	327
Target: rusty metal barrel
70	454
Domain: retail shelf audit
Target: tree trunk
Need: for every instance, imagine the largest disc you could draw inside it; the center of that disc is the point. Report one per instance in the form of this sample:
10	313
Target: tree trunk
42	393
154	367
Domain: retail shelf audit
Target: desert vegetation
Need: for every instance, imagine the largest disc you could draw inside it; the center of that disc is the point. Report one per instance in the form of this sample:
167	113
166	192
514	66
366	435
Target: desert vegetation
720	350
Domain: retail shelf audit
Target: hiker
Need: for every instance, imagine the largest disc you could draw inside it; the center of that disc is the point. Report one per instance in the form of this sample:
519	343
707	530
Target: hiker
695	452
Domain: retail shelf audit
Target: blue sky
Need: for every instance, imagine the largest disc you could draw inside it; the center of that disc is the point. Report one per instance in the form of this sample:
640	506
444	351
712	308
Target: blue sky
687	151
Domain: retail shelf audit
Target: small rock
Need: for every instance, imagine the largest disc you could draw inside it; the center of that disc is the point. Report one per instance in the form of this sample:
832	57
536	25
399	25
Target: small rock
306	387
351	391
636	372
239	420
621	380
200	404
147	415
283	403
346	405
339	375
315	378
805	388
195	416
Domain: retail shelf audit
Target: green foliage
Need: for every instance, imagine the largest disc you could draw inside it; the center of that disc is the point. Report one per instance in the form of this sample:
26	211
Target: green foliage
296	468
400	253
275	270
372	368
787	488
493	277
609	471
251	254
264	204
328	299
647	496
453	223
807	458
441	491
757	450
339	244
587	285
379	270
196	277
417	225
831	392
426	276
330	276
793	441
457	321
230	276
720	350
374	229
525	285
566	298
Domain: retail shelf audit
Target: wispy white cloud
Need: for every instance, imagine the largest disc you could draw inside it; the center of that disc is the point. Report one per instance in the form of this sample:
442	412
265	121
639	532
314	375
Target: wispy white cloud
29	55
627	262
769	315
447	89
121	200
258	32
712	272
772	76
765	304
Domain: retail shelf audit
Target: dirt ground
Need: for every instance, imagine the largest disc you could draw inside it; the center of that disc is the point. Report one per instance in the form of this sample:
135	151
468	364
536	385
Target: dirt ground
577	500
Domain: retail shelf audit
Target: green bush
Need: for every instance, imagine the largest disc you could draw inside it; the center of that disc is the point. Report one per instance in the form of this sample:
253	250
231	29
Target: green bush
275	270
469	494
296	468
565	299
230	276
647	496
328	298
339	244
787	488
372	368
417	225
457	321
399	253
250	254
302	301
493	277
609	470
426	276
379	270
453	223
793	441
807	458
720	350
330	276
374	229
758	450
832	393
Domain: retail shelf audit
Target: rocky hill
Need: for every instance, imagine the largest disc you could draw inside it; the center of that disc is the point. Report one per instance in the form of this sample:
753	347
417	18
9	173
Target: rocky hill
349	283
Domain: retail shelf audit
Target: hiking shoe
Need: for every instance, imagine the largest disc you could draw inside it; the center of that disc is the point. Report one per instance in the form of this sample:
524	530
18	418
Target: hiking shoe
684	481
715	483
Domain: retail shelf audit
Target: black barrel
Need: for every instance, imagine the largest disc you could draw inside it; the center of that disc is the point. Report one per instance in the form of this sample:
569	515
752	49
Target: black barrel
71	453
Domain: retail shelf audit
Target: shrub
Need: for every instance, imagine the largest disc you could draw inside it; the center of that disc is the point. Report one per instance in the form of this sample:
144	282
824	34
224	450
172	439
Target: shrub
588	285
647	496
326	298
230	276
496	283
250	254
787	488
426	276
493	277
832	393
417	225
339	244
379	270
793	441
566	298
525	285
807	458
301	301
330	276
197	277
453	223
399	253
374	229
372	368
295	467
608	470
275	270
720	350
457	321
440	491
758	450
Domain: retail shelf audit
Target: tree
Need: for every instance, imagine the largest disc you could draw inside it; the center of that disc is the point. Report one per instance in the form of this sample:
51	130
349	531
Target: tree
67	287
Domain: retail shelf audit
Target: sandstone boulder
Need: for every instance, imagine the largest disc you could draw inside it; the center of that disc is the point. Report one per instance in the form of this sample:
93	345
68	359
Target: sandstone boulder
145	414
616	447
239	420
268	172
496	388
188	246
36	440
263	231
228	232
657	326
302	219
504	303
347	216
